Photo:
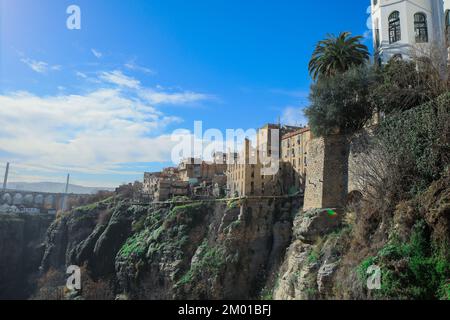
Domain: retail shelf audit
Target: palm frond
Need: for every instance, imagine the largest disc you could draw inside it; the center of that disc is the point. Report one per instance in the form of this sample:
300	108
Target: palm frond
336	54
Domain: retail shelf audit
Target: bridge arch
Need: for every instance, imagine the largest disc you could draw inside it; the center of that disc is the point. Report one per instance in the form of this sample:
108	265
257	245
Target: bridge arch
39	200
18	199
28	200
49	201
6	199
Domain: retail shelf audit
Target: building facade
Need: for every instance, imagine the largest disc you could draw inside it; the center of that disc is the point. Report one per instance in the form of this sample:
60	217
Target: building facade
196	171
161	186
294	159
259	170
190	170
405	27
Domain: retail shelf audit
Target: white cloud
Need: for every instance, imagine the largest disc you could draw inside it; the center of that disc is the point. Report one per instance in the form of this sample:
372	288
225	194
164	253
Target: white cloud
294	116
160	97
118	78
37	66
92	133
151	95
97	53
80	74
131	65
40	66
95	133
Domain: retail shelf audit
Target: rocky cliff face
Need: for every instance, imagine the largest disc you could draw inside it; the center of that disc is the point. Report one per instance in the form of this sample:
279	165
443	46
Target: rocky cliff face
247	249
21	250
312	258
330	257
199	250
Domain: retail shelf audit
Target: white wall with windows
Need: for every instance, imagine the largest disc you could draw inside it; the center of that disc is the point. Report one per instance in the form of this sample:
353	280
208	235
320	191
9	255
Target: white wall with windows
400	26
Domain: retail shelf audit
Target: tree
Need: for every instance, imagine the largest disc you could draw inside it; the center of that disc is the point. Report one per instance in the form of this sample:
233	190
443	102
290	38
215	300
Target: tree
408	84
336	55
340	104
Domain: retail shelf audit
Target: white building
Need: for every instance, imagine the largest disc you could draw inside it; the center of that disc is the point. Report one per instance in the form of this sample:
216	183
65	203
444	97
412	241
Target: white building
400	26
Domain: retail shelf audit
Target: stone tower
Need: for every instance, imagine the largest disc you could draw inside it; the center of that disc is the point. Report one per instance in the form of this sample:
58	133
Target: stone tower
400	26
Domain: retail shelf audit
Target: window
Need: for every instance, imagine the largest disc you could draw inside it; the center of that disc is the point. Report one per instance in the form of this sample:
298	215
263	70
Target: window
397	57
420	27
395	34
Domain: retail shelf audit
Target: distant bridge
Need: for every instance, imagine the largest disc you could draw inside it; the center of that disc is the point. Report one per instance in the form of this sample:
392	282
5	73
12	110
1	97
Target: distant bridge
39	201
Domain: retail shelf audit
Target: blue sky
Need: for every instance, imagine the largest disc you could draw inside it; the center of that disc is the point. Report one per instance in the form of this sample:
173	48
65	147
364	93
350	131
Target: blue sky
101	102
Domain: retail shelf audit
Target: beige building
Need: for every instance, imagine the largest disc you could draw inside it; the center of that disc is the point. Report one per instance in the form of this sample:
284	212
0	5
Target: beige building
241	175
190	170
257	170
294	146
167	189
275	166
196	171
161	186
151	180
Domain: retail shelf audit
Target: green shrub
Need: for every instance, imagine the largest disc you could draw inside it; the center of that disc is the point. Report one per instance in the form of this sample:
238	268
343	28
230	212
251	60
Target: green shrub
364	266
417	144
416	269
135	246
209	263
189	214
266	294
232	204
313	256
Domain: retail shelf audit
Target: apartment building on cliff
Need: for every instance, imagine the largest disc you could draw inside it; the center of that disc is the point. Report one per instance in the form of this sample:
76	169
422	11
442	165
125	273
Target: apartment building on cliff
260	169
191	176
196	171
161	186
294	158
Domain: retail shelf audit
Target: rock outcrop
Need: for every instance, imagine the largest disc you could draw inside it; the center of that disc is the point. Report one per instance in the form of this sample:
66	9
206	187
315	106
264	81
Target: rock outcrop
246	249
21	249
200	250
312	259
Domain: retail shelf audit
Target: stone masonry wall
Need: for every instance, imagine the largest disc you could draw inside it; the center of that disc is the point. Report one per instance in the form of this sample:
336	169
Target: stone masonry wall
314	174
327	173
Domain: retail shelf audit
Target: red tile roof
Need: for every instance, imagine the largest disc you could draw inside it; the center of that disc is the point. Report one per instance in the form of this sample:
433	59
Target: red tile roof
295	133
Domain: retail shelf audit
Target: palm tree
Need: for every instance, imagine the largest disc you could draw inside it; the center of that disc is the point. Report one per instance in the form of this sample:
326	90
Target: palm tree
333	67
337	54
